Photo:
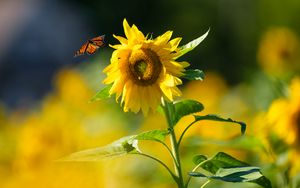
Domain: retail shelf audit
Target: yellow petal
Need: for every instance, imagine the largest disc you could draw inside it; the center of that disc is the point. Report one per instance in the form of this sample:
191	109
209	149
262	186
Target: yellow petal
108	68
111	68
116	46
144	100
126	92
176	92
127	29
111	78
169	80
174	43
150	94
185	64
138	34
134	99
164	54
174	68
155	96
137	47
163	39
166	91
177	81
167	35
118	87
121	39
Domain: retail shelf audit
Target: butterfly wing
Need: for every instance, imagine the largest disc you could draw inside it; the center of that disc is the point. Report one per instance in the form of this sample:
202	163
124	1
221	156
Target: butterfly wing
91	49
98	41
91	46
82	49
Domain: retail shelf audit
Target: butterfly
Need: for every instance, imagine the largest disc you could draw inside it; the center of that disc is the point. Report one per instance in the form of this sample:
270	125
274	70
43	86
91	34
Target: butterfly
91	46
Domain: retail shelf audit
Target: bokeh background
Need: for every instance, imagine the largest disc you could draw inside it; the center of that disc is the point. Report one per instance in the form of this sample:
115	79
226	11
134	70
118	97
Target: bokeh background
251	58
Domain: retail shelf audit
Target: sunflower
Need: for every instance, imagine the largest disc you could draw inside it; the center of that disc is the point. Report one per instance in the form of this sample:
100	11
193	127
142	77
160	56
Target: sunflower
284	116
278	51
143	70
283	120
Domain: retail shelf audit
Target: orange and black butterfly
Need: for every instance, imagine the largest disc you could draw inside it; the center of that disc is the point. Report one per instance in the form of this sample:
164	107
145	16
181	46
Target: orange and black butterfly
91	46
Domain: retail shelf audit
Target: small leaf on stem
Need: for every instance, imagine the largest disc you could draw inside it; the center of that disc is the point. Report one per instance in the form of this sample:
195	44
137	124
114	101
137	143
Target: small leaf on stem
214	117
118	148
199	159
191	45
185	107
102	94
155	135
194	74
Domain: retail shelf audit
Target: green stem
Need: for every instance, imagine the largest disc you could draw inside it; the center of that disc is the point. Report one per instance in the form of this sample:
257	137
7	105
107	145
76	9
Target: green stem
182	134
194	169
169	150
169	110
160	162
205	184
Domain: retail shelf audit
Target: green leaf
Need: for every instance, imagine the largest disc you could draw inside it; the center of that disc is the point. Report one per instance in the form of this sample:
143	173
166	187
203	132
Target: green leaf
226	168
125	145
102	94
118	148
185	107
194	74
238	174
222	172
199	159
155	135
191	45
221	160
214	117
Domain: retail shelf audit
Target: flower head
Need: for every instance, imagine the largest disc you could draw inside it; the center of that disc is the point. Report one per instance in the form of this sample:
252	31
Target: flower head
284	115
143	70
279	51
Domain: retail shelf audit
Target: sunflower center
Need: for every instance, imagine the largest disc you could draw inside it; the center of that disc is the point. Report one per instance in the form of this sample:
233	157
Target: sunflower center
144	66
140	68
285	54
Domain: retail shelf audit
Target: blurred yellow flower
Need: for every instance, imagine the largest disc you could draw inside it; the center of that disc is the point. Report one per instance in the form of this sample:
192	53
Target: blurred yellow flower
279	51
143	70
279	130
65	122
213	93
284	115
210	93
71	88
294	156
39	142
